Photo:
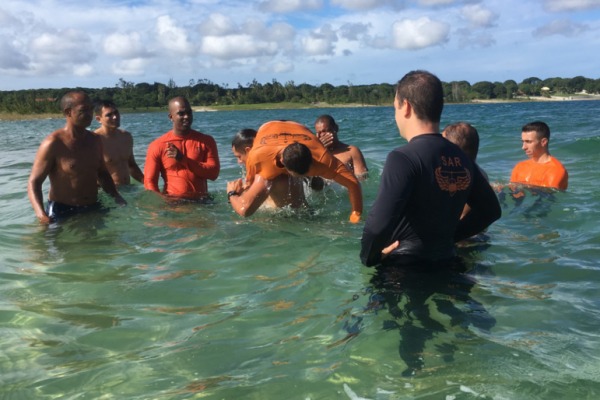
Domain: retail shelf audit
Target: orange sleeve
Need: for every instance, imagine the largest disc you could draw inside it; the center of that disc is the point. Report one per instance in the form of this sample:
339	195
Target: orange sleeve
152	166
211	167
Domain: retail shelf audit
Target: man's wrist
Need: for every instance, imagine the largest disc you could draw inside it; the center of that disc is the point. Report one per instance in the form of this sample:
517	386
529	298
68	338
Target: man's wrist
232	193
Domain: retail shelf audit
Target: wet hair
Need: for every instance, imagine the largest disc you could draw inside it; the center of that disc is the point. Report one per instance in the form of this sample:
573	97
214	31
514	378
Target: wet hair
297	158
465	136
99	105
541	129
68	99
424	92
328	119
243	138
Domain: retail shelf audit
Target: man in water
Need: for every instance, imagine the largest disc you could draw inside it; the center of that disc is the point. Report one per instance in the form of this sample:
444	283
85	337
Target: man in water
117	144
425	185
327	131
466	137
183	157
287	148
285	190
72	158
541	169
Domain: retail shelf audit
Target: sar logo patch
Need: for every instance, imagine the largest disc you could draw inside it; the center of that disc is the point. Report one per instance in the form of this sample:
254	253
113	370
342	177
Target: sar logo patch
452	180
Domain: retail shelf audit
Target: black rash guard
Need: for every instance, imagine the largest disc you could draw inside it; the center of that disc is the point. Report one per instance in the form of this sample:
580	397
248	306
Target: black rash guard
424	187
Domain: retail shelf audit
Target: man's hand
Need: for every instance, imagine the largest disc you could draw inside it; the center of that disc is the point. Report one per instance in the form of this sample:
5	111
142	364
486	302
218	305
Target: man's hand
386	251
173	152
235	186
326	139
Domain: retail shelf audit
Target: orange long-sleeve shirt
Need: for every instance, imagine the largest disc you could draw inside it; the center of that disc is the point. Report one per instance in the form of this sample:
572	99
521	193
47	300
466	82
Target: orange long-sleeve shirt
186	178
274	136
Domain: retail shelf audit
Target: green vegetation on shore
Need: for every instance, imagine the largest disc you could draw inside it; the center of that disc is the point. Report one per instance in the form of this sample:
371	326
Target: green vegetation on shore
206	95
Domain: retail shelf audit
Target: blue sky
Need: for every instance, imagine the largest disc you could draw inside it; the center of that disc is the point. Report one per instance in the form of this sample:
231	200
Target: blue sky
65	43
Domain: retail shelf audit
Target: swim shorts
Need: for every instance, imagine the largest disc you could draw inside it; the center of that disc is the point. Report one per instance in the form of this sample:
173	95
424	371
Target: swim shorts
59	210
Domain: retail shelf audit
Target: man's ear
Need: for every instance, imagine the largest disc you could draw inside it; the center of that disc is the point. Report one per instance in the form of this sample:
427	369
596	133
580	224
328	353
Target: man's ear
407	108
544	142
247	149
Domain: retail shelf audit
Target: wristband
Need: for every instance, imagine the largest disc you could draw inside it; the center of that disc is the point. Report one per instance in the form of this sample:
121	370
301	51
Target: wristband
232	193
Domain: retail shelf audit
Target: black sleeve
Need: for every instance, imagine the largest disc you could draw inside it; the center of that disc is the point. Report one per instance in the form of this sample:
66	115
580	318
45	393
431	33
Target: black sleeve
395	189
485	208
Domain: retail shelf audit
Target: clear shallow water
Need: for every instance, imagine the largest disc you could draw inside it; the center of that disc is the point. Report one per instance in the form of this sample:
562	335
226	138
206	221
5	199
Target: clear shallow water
153	301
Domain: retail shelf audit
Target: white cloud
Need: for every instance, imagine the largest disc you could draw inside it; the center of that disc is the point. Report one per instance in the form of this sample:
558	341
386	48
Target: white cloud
570	5
10	57
83	70
218	25
320	42
361	4
124	45
51	51
436	2
420	33
288	6
353	31
236	46
479	16
134	66
560	27
172	37
283	67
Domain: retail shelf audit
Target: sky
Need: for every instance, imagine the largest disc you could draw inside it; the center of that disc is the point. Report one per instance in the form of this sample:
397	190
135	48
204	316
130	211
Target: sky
94	44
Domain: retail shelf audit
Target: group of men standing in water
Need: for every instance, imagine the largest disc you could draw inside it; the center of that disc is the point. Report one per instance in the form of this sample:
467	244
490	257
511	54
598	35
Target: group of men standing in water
419	212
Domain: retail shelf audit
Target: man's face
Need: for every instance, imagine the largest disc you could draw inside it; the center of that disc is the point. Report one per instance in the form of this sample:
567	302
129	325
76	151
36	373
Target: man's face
533	146
82	111
180	113
110	117
240	156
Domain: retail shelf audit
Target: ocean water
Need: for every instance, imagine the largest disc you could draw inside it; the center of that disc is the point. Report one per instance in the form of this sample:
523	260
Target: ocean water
155	301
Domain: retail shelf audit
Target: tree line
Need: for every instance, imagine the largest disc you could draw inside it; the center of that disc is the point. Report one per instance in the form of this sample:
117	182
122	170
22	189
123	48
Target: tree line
203	92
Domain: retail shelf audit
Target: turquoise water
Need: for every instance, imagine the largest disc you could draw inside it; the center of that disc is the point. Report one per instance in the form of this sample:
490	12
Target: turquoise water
153	301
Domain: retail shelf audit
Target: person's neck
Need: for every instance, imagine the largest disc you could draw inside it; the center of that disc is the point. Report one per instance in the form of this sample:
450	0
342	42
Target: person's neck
106	131
544	158
177	132
419	128
76	131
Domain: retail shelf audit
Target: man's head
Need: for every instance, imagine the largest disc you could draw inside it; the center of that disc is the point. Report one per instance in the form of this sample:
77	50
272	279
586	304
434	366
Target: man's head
325	123
107	114
180	113
242	143
465	136
77	108
424	92
297	158
535	137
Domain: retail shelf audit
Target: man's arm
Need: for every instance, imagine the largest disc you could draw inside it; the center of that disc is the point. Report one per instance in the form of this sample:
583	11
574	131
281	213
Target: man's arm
395	190
209	169
104	178
331	168
152	167
484	209
246	202
42	165
358	163
134	170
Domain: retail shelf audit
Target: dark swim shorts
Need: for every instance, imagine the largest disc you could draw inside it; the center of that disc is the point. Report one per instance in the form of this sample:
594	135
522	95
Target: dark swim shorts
58	210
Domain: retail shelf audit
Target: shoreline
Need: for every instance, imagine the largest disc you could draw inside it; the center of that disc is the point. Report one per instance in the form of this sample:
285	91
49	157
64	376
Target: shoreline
279	106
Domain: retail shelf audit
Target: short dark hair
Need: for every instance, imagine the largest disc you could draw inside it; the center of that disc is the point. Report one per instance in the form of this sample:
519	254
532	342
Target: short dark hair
243	138
541	129
328	119
100	104
297	158
68	99
465	136
424	92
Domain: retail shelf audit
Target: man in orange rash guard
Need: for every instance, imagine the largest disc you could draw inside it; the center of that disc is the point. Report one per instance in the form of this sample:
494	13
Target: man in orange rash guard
287	147
183	157
541	169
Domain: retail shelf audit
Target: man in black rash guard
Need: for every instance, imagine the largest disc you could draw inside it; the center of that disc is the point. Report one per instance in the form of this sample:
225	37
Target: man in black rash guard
425	184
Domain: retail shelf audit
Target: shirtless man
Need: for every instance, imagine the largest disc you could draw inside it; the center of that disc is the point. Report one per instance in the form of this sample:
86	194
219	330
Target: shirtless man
287	148
117	144
351	156
285	190
72	158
